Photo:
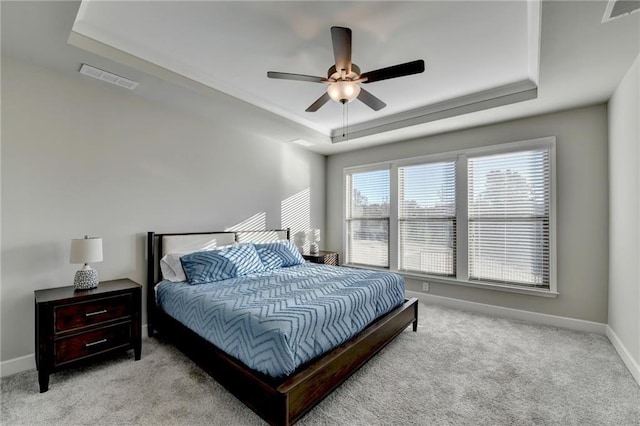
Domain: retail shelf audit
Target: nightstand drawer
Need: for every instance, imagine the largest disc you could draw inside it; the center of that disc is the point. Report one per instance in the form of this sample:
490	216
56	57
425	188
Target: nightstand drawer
85	344
69	317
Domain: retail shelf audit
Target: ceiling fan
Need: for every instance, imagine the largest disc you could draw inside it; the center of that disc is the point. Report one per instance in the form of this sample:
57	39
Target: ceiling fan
344	77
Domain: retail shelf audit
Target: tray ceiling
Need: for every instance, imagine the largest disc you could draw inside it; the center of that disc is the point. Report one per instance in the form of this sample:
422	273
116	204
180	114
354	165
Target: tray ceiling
575	60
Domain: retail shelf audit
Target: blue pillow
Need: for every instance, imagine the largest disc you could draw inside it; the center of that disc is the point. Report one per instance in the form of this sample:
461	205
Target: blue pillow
279	254
245	257
216	265
270	258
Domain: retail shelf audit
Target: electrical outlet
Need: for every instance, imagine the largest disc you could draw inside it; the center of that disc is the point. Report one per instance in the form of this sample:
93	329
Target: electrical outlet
425	286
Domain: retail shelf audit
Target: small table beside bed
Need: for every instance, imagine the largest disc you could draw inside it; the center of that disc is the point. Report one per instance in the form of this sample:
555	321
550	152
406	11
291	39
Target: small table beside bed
277	332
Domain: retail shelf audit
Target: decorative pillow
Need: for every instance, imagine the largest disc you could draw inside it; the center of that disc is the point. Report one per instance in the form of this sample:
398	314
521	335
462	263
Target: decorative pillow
245	257
270	258
210	266
285	250
207	266
172	268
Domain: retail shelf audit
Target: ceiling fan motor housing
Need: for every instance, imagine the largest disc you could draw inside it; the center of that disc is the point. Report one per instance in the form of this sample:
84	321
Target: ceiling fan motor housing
335	75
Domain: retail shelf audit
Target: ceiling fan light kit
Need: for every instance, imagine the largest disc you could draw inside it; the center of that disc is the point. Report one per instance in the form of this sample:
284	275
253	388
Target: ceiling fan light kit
344	77
343	91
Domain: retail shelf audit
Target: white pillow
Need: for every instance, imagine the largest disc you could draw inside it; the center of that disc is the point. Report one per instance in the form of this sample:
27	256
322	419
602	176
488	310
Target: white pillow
171	266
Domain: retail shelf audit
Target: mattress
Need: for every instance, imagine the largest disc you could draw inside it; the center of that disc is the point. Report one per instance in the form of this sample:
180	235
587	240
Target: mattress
275	321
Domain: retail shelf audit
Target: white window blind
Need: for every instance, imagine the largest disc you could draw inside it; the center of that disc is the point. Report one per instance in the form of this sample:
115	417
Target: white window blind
368	218
427	218
509	213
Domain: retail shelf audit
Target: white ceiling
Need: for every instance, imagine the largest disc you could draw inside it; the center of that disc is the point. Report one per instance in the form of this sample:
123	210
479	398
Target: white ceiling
485	61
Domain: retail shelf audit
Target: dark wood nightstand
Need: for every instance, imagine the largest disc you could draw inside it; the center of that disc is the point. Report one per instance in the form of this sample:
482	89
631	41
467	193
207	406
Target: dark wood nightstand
76	325
324	257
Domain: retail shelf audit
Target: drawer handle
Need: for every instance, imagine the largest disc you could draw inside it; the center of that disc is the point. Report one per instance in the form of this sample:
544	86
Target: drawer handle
90	314
86	345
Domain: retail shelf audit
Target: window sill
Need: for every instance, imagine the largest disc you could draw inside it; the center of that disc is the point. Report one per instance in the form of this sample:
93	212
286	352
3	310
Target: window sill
473	284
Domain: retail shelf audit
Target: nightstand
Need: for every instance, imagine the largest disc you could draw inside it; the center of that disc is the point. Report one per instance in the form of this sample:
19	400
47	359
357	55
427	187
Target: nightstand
78	325
324	257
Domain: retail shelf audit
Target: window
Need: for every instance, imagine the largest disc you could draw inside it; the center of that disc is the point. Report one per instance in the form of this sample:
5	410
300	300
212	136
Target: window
478	217
368	218
427	218
509	201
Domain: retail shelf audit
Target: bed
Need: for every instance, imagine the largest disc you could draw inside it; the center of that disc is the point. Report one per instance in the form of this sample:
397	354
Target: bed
306	370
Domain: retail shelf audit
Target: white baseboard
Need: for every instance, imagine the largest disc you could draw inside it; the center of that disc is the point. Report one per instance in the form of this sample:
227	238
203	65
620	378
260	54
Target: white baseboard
28	362
628	360
552	320
16	365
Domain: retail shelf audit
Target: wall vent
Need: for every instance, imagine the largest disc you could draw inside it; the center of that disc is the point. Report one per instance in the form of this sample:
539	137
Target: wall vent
108	77
618	8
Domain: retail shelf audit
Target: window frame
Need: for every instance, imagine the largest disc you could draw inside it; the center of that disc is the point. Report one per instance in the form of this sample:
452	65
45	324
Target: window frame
462	218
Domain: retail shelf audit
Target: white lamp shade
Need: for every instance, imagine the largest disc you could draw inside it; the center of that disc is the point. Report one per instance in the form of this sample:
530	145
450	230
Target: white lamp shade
313	235
86	250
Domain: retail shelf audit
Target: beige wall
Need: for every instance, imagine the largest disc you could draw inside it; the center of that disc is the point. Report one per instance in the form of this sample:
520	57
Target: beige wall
624	224
582	200
82	157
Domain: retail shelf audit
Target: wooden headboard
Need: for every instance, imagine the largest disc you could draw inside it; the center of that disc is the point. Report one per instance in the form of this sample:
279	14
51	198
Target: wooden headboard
160	244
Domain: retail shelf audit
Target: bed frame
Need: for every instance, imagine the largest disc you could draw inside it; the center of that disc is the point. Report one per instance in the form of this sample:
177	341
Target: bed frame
281	401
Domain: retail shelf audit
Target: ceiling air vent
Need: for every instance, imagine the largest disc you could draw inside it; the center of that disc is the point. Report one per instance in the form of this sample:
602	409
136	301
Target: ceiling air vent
618	8
302	142
108	77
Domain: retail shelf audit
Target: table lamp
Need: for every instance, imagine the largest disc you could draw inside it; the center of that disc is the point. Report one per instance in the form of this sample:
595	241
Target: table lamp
86	250
314	238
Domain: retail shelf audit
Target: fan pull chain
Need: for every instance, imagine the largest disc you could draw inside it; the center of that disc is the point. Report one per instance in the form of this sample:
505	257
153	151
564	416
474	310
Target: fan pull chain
344	106
345	121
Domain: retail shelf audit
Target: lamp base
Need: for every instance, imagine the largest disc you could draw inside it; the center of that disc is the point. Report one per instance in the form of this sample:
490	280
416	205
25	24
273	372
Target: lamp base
313	248
86	279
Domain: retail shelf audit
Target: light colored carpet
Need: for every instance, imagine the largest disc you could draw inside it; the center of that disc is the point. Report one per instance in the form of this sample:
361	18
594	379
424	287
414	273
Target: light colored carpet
459	368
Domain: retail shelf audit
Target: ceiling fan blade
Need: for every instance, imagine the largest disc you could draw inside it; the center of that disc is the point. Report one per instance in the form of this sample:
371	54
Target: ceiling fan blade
341	38
401	70
318	103
371	101
299	77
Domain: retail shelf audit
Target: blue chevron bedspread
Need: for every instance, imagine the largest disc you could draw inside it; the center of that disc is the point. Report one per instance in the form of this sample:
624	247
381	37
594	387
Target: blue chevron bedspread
275	321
